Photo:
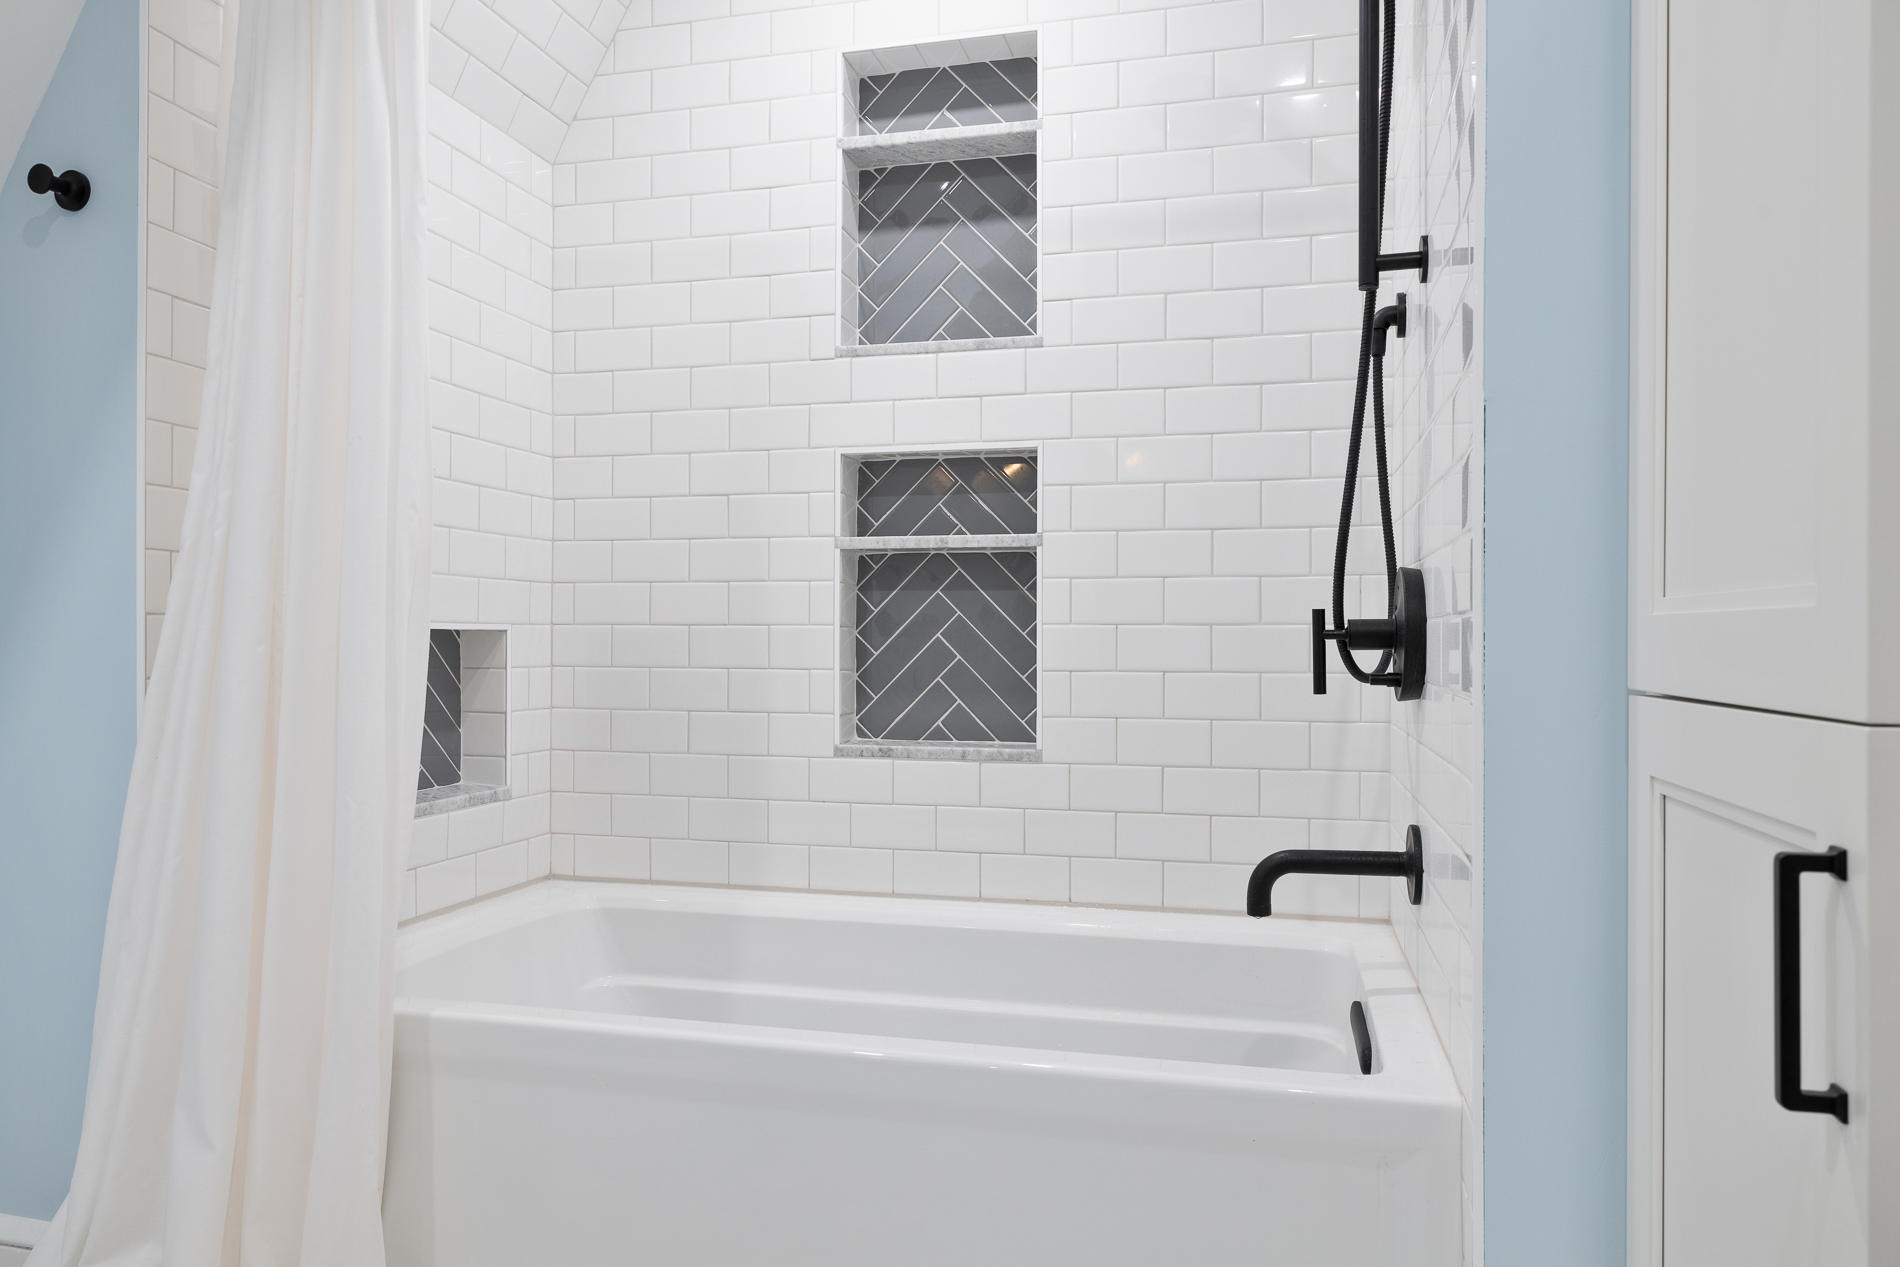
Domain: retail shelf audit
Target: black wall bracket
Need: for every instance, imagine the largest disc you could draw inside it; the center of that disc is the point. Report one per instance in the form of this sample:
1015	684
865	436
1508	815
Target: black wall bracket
1373	264
70	189
1402	636
1399	261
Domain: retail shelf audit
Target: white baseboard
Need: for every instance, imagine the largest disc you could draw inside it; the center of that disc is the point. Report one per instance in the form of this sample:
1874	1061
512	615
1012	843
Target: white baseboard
18	1233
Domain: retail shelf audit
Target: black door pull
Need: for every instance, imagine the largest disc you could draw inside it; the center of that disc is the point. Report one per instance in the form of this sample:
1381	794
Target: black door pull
1788	1092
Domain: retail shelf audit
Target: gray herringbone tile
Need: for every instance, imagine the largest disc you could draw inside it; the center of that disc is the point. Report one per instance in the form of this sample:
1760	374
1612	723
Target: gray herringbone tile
949	96
975	495
947	250
946	647
442	712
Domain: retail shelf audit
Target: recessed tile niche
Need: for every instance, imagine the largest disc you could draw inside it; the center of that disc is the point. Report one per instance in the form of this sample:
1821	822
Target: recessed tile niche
939	620
939	147
464	721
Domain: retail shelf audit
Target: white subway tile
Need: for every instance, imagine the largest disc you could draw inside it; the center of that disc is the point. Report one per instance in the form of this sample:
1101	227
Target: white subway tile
1304	212
768	865
1119	38
690	861
1024	877
1114	882
1162	837
1025	786
771	78
690	271
1265	68
851	870
1069	89
1069	833
933	874
746	123
1304	19
1134	130
1120	225
1211	887
681	87
1326	112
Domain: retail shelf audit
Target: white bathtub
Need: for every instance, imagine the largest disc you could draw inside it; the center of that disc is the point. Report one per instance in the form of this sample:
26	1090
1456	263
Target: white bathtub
630	1074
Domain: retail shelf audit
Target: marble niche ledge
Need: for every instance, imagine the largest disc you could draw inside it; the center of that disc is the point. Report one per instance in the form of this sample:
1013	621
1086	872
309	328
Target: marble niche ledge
431	801
940	751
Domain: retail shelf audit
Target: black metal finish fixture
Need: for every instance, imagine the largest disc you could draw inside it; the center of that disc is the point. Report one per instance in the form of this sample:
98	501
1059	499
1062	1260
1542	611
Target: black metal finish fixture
1410	863
1788	1093
1400	637
70	189
1361	1035
1375	115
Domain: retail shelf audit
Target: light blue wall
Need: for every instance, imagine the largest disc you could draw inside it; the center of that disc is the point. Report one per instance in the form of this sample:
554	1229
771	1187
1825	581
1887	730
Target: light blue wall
68	612
1555	704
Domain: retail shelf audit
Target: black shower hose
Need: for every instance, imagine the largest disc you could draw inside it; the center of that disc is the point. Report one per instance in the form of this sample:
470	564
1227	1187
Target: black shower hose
1371	370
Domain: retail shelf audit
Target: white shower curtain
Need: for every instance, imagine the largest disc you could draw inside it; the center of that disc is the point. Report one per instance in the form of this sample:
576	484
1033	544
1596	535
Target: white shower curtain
240	1063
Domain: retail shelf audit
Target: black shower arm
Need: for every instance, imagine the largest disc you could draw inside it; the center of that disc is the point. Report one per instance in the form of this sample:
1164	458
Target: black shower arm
1372	264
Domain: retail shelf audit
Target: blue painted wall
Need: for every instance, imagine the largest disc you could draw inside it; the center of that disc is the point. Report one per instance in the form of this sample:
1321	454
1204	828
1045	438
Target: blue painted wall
68	611
1555	590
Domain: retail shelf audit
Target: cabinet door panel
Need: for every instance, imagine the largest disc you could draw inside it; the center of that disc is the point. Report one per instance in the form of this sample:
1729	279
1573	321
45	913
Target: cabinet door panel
1765	562
1746	1183
1721	1175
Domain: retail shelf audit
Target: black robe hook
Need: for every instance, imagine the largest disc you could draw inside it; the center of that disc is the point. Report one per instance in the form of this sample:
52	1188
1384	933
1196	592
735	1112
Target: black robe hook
70	189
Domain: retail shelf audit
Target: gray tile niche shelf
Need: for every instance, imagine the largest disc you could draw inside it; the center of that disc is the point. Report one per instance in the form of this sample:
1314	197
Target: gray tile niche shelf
947	251
941	164
464	758
441	763
931	98
975	494
946	648
940	621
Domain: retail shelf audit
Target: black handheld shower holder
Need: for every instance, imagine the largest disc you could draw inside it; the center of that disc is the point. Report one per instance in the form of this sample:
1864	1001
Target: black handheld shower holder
1375	113
1400	636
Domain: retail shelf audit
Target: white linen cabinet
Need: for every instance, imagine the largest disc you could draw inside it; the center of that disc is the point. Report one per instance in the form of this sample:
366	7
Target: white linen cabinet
1765	632
1721	1174
1765	560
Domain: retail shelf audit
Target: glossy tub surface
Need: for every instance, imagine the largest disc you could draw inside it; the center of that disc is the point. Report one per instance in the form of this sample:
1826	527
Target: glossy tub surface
644	1074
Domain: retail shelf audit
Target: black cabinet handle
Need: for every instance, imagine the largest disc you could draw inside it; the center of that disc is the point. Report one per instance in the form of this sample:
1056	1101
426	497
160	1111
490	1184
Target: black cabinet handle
1788	1092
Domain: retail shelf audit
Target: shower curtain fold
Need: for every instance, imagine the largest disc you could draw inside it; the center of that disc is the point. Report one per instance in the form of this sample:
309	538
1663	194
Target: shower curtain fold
239	1082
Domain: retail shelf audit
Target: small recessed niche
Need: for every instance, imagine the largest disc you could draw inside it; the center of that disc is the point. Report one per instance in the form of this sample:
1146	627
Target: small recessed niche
941	240
464	721
938	615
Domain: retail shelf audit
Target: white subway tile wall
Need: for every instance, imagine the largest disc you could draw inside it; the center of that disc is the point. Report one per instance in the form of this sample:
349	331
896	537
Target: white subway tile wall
185	46
1437	445
635	217
1200	322
506	80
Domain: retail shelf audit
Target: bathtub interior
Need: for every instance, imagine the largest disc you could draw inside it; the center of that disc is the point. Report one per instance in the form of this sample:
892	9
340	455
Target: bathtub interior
1207	989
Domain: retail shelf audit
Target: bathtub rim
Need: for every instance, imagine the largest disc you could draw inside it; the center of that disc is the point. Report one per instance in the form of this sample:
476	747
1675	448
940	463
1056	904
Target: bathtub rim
1412	1063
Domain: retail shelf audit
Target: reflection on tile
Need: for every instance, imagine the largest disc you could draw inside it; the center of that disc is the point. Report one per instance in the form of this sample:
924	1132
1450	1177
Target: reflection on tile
949	96
947	250
442	712
943	497
946	647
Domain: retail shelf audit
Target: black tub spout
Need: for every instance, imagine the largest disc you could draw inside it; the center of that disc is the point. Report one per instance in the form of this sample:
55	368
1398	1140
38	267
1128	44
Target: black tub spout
1409	862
